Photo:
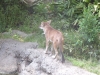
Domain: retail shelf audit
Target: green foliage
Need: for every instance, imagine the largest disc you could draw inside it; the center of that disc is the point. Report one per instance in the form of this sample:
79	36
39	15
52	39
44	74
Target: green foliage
89	27
84	43
73	7
12	14
56	7
73	45
31	24
60	24
2	20
40	8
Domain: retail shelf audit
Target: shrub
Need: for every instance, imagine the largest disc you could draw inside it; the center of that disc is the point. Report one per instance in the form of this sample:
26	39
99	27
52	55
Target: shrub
84	43
2	20
89	27
89	30
12	14
40	8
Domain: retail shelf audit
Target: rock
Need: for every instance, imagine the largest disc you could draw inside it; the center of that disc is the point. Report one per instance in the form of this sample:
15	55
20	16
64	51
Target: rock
24	58
51	66
8	64
10	50
17	32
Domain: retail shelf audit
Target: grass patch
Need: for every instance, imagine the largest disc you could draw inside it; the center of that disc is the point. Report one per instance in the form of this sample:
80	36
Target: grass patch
86	64
39	38
15	36
4	36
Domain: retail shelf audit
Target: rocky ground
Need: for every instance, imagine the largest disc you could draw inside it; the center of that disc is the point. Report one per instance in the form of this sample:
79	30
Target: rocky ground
25	58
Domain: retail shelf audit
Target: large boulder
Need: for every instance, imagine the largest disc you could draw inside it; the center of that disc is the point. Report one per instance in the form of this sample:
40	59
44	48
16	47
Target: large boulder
43	64
21	58
10	50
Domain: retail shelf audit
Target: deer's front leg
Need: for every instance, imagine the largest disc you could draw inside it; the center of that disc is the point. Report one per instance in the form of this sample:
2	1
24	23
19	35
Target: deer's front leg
47	45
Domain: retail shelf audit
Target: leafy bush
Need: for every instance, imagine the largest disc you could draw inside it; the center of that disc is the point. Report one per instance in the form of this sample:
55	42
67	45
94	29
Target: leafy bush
40	8
73	45
88	41
89	27
31	24
2	20
12	14
84	43
57	7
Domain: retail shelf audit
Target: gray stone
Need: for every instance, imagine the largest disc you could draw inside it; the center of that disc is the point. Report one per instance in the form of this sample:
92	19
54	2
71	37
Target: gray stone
10	51
24	58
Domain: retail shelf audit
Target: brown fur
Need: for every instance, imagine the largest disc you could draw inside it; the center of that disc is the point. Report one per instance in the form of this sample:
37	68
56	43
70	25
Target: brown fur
55	37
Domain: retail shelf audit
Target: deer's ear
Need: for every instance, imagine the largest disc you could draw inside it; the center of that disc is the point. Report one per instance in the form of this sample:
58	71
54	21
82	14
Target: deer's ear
49	21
